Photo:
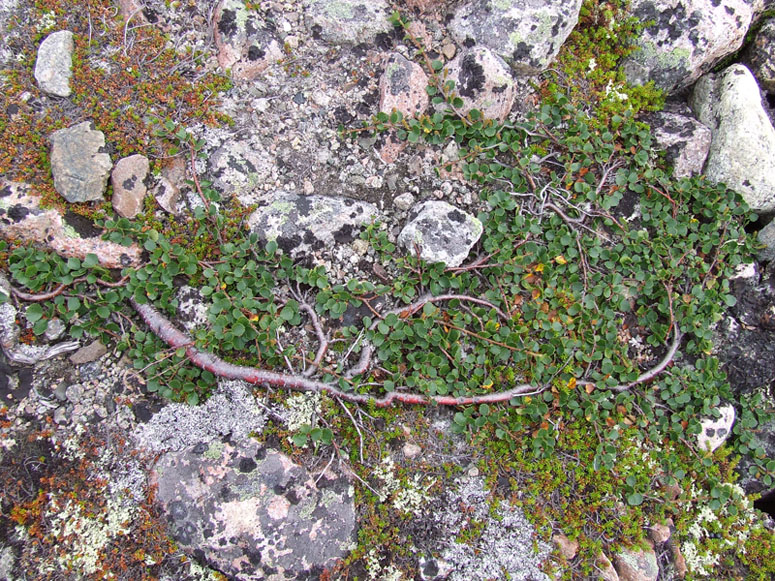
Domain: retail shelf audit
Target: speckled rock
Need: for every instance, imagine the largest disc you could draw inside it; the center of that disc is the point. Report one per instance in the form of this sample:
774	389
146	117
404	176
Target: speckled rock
54	65
716	431
129	178
526	34
347	21
251	513
483	81
742	151
22	218
402	87
442	232
240	168
636	564
760	56
80	163
686	39
301	224
245	40
685	140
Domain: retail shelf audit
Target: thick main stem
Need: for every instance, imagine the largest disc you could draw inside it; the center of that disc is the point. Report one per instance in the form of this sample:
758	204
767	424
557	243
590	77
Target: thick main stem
175	338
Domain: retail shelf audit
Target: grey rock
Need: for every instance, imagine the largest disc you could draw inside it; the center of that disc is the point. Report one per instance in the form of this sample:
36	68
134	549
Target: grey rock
129	188
483	81
74	393
61	415
760	56
347	21
526	34
636	565
441	231
402	87
766	237
251	513
240	168
88	353
404	201
686	141
54	65
192	308
742	150
716	431
232	410
687	38
55	329
79	162
301	224
246	43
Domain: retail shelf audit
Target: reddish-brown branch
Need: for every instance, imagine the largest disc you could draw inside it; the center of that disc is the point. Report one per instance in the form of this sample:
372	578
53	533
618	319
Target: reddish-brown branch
175	338
40	297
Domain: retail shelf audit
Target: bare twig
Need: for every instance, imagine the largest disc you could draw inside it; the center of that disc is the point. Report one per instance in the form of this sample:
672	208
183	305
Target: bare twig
652	373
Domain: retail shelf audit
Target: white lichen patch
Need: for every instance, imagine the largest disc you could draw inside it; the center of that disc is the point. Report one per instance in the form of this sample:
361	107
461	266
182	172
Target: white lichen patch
713	532
301	410
408	497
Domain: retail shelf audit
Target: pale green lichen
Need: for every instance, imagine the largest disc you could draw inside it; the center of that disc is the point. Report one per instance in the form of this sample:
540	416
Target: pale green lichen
407	497
214	450
302	410
339	9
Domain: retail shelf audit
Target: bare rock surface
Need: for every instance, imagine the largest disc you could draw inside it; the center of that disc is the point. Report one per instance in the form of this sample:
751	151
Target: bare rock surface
685	39
526	34
129	178
685	140
54	65
252	513
636	564
483	81
347	21
79	162
716	431
441	231
301	224
742	151
402	87
246	42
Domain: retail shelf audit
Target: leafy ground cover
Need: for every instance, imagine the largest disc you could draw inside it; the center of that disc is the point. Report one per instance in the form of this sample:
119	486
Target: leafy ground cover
581	332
